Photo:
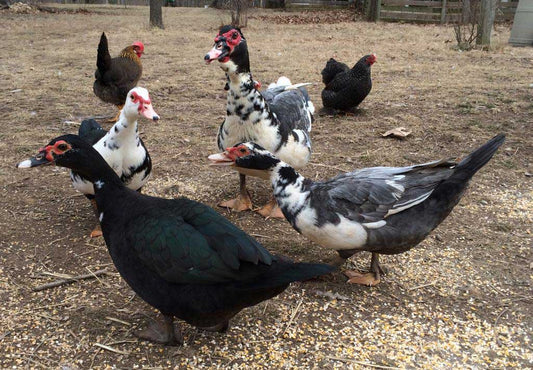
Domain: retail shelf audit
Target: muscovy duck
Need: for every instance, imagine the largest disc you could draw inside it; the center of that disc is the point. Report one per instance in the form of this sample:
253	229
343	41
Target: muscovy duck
180	256
115	77
383	210
121	147
279	119
346	88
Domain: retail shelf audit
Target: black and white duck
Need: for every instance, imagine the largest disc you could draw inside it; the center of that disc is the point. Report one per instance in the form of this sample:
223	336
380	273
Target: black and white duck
383	210
345	88
180	256
278	118
121	147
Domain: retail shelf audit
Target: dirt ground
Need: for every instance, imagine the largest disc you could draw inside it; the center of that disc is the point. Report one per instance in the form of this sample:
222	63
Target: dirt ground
461	299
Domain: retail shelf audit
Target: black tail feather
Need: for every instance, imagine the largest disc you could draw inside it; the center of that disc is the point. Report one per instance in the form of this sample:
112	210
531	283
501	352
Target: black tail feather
477	159
103	60
282	273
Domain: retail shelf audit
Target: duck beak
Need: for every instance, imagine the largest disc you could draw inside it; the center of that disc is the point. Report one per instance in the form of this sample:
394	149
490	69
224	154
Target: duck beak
35	161
149	112
219	52
221	159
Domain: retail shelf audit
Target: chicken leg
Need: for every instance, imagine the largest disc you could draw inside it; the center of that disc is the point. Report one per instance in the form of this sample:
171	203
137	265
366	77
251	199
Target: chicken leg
243	201
371	278
162	332
115	119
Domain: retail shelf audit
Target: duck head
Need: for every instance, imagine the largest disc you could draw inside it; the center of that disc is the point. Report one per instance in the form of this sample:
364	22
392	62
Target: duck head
247	158
230	50
66	151
137	104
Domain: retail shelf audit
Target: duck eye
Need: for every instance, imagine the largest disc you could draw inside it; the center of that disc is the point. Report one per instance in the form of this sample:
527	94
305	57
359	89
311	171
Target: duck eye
132	97
234	36
242	150
62	147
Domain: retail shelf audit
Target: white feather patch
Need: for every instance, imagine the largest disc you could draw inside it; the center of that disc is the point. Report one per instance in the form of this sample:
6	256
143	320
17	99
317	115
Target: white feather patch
24	164
375	225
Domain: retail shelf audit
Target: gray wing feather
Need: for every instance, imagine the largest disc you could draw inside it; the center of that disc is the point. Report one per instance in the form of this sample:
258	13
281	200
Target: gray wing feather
372	194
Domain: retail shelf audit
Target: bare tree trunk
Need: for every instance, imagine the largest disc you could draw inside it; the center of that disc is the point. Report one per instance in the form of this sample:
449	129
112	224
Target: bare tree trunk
239	12
156	13
488	12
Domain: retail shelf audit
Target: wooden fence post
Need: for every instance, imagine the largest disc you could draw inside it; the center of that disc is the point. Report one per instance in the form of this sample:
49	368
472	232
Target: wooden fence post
487	14
443	12
373	10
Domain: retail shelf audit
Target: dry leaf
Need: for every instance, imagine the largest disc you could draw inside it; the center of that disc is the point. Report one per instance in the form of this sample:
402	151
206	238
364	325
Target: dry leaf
398	132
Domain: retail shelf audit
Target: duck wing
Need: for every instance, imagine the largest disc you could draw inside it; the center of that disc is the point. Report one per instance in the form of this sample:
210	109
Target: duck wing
373	194
91	131
186	242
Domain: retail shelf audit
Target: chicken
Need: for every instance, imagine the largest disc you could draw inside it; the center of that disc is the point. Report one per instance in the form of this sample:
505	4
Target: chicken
114	77
346	88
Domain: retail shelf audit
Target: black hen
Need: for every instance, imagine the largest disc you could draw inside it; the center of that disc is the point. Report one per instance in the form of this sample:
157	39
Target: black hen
346	88
178	255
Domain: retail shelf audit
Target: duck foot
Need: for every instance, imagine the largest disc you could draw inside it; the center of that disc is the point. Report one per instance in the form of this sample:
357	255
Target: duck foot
97	232
239	204
371	278
219	328
271	210
161	332
368	279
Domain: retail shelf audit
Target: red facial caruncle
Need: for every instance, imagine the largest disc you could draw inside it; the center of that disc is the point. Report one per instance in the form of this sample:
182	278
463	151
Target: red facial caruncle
145	106
232	38
138	47
58	148
237	151
224	45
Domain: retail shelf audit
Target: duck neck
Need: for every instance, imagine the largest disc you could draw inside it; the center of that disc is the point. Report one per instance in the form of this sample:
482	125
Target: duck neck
290	189
94	168
244	100
125	129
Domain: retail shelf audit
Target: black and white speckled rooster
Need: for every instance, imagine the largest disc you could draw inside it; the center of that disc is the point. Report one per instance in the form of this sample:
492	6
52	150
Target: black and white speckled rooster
121	147
346	88
278	119
383	210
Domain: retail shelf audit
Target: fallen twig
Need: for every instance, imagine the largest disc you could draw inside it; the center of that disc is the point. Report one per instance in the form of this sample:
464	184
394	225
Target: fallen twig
422	286
362	363
260	236
73	279
496	339
292	316
118	320
111	349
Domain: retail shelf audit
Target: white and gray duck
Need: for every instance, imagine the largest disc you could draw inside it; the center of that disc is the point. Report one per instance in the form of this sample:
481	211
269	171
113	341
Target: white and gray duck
121	147
382	210
178	255
278	118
